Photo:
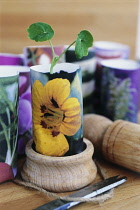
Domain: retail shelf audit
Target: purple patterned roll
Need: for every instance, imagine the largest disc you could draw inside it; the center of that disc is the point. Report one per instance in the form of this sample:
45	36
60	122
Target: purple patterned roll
40	55
111	50
106	50
11	59
120	89
24	109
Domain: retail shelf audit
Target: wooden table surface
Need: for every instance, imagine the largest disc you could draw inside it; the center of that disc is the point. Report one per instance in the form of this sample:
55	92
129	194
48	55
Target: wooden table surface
126	196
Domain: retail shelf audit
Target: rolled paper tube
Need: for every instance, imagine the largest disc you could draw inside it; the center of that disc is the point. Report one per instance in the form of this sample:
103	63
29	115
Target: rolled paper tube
9	79
110	50
120	89
88	66
11	59
41	55
95	127
57	107
105	50
24	109
121	144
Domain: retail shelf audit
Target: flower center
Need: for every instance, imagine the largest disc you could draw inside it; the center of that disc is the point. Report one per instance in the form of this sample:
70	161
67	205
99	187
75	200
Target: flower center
52	117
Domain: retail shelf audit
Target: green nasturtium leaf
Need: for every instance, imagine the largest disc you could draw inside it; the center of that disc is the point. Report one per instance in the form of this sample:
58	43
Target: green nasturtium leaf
83	42
40	32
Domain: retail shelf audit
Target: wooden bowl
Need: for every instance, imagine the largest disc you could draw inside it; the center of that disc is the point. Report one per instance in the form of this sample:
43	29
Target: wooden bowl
59	174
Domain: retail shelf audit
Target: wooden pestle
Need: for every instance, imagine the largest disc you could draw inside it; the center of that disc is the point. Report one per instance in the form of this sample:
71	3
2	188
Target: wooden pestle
121	144
118	141
94	130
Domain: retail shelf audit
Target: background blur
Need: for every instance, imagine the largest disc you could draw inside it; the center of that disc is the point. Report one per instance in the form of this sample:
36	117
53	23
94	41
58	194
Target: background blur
108	20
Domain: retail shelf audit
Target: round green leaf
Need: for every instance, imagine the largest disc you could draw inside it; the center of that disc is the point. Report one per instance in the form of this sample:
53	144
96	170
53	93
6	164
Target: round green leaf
40	32
83	42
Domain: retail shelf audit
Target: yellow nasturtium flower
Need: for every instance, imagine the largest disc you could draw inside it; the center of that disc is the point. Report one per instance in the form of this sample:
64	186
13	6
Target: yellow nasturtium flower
54	116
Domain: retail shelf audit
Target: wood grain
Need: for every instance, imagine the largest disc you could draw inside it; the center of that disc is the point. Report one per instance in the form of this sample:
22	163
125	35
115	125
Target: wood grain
107	20
126	196
121	144
59	174
95	127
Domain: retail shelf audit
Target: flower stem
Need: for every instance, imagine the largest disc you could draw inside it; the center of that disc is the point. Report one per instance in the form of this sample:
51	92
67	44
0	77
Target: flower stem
53	53
55	59
8	155
5	132
66	50
9	121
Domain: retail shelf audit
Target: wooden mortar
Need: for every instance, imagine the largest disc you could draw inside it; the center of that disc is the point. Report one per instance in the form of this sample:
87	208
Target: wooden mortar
59	174
95	127
121	144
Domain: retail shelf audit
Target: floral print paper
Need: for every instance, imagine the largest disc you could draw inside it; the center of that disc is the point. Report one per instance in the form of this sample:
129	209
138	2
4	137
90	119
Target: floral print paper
57	112
8	127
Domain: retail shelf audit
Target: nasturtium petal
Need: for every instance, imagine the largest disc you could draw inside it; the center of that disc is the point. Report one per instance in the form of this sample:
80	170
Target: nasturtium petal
55	114
71	107
83	42
38	94
69	129
58	89
40	32
72	120
50	145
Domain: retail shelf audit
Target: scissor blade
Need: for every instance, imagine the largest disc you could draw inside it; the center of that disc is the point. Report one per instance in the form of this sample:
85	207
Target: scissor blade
87	192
